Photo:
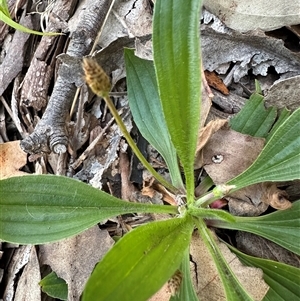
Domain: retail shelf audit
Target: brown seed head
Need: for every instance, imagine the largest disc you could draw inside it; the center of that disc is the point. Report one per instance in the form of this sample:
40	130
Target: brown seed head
95	77
174	283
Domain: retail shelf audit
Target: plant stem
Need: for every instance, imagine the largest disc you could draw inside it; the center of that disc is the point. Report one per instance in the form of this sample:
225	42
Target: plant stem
217	193
134	148
205	200
204	186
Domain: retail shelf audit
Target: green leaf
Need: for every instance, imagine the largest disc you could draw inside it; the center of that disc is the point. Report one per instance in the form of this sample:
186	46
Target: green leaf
186	291
205	185
211	214
280	158
233	289
282	279
176	51
284	114
45	208
147	112
254	119
54	286
6	19
141	262
281	227
4	8
258	89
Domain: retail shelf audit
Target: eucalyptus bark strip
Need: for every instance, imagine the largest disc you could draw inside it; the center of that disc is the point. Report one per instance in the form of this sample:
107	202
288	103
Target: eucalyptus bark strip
50	133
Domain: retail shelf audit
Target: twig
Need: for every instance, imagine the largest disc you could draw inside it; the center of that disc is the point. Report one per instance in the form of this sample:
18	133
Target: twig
92	51
5	104
101	29
91	146
51	134
127	188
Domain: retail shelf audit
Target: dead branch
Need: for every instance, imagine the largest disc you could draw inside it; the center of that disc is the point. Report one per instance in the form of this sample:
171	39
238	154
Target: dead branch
50	133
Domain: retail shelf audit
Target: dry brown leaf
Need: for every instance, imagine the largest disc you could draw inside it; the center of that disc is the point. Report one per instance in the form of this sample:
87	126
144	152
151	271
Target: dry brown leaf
216	82
248	201
228	153
206	97
244	207
19	259
132	18
148	190
171	288
203	136
143	50
157	192
253	51
12	158
74	259
208	283
162	295
242	16
255	199
167	196
258	246
275	197
292	189
284	93
28	288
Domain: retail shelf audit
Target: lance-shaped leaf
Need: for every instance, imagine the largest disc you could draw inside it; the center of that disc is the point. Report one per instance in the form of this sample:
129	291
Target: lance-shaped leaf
186	289
233	289
147	112
4	8
282	279
254	119
211	214
281	227
176	53
141	262
45	208
280	158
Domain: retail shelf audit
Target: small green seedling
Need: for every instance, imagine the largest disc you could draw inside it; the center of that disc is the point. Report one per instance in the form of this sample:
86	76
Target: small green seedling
165	102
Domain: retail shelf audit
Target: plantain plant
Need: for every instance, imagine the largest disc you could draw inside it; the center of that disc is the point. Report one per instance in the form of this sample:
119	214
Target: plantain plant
165	101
